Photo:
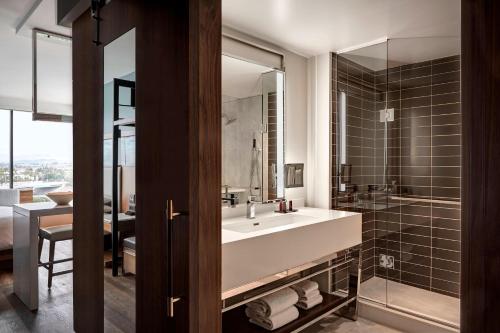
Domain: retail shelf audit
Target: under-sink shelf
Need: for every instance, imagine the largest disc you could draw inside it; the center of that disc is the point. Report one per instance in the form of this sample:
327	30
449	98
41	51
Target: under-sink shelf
235	320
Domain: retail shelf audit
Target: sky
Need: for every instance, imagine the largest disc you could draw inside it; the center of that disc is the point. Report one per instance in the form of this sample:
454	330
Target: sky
35	139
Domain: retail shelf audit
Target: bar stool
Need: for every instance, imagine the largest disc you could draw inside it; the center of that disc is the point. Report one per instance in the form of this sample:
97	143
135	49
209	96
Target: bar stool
53	235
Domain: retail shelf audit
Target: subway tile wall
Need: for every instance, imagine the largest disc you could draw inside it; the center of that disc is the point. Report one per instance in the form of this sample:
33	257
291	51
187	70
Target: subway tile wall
272	141
419	222
358	85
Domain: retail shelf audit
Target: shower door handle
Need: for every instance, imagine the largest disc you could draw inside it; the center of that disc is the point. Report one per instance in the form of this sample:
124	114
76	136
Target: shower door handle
171	297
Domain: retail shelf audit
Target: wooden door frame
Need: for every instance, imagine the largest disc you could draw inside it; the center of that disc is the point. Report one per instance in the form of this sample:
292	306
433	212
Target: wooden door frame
480	275
183	94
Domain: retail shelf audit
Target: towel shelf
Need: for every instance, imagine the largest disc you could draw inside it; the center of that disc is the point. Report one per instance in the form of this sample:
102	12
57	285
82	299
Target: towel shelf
268	291
336	298
236	321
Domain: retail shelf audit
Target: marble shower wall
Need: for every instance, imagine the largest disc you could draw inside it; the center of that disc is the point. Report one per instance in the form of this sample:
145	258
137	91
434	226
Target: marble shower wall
241	123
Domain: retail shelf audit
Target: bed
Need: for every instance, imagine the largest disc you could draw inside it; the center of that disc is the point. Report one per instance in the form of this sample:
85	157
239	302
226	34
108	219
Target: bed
5	228
8	197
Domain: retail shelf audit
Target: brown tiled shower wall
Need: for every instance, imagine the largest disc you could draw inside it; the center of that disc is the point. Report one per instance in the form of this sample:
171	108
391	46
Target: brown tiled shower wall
272	158
418	223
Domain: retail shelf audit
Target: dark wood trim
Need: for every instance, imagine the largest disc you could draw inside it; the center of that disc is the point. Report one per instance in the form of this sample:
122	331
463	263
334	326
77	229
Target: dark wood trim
480	278
88	283
205	165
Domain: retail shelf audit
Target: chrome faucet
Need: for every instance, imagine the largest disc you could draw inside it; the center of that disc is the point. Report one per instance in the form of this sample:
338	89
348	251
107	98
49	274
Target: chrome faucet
232	199
250	208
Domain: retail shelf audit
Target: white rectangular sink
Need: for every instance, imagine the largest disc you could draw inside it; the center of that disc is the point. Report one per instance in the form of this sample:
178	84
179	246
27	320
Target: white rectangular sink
253	249
257	224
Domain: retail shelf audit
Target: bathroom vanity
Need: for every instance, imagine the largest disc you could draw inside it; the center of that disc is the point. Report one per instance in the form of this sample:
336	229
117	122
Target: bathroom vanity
274	251
265	251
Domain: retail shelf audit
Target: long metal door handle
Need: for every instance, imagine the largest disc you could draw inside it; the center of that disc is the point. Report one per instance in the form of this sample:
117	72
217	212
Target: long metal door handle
171	298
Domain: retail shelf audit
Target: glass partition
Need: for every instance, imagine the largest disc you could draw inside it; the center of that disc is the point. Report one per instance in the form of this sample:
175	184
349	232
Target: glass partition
424	89
363	134
398	160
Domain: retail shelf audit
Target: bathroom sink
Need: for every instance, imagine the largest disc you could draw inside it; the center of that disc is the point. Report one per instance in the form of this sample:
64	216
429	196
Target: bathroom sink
273	242
258	224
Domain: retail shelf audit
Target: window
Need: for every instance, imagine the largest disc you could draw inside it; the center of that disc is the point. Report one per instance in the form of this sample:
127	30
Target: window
4	148
43	154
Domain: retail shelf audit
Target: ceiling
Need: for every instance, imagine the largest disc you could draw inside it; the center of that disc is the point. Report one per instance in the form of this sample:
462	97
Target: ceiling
16	58
306	27
312	27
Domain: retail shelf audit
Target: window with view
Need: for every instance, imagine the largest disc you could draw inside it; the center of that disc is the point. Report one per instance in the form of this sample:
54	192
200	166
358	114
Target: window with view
43	154
4	148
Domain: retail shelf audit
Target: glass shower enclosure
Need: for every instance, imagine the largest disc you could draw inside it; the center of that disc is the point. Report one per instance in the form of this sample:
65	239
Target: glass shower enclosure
397	160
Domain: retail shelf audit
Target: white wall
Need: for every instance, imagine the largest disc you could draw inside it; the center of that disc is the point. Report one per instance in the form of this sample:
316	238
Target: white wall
296	117
295	106
318	131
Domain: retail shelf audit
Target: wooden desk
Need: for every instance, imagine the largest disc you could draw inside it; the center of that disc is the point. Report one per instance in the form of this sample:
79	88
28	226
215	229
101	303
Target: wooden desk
25	247
126	223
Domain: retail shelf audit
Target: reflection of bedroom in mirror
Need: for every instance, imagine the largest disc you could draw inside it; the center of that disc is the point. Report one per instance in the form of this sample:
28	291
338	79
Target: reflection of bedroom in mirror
252	132
119	175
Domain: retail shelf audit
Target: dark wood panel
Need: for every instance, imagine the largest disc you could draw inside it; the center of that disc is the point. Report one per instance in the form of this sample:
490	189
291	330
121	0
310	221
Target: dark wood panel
480	287
88	286
178	154
162	159
205	165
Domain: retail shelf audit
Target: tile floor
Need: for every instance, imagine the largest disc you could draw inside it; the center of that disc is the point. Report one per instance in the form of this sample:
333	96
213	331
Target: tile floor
334	324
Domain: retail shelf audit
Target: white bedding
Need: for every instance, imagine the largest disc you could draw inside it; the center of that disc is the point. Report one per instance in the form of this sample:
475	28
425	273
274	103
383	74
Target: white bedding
5	228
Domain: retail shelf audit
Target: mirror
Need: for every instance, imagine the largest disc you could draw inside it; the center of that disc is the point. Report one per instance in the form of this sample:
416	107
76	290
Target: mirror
252	132
52	76
119	173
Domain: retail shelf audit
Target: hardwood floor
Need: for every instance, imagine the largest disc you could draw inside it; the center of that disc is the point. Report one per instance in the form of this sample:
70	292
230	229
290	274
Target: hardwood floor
55	313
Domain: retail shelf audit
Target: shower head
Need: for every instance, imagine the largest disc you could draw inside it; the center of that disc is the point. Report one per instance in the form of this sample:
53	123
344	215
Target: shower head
228	121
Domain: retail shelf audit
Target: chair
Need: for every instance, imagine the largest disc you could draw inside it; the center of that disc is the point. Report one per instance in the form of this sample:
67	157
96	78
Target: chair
54	234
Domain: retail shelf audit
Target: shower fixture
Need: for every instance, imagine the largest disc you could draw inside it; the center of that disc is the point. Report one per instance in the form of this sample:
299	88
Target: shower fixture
255	171
228	120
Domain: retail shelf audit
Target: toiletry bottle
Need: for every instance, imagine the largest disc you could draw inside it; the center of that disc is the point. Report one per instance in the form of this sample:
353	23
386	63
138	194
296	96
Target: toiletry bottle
290	206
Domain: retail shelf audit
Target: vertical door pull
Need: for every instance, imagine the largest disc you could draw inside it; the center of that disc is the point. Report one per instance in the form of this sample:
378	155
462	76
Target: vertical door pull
171	298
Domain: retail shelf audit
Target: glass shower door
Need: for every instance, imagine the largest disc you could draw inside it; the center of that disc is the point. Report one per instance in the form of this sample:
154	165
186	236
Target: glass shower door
398	159
361	157
424	176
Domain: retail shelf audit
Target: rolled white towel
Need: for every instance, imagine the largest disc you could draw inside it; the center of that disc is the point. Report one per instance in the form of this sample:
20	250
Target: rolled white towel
274	303
304	287
309	295
277	320
310	303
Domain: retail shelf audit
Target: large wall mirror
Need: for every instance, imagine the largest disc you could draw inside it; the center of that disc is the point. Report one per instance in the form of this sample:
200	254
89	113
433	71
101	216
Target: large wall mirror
119	175
252	131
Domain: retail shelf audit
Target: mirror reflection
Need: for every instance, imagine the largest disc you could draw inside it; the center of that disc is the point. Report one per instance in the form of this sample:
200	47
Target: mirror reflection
119	173
252	132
